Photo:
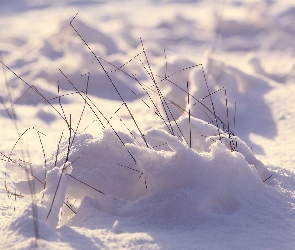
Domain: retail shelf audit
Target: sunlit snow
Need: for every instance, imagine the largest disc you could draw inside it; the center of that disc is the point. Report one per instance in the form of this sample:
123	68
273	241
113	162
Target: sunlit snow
147	124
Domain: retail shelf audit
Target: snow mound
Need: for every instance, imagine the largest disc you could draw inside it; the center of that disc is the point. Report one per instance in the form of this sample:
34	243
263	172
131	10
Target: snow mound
130	176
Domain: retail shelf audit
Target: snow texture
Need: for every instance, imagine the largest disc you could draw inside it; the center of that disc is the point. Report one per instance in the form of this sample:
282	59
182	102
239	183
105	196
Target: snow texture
147	125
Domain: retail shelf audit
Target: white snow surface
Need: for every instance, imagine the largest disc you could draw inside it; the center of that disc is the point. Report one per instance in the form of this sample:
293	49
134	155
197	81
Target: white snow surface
147	124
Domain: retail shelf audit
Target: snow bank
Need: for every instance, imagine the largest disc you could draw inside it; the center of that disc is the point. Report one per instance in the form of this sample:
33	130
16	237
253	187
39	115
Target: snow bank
172	186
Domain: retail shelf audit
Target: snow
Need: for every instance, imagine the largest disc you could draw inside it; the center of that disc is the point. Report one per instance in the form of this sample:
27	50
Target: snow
147	125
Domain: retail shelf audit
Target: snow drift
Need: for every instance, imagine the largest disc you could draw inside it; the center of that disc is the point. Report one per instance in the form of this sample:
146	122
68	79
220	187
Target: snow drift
179	182
170	186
